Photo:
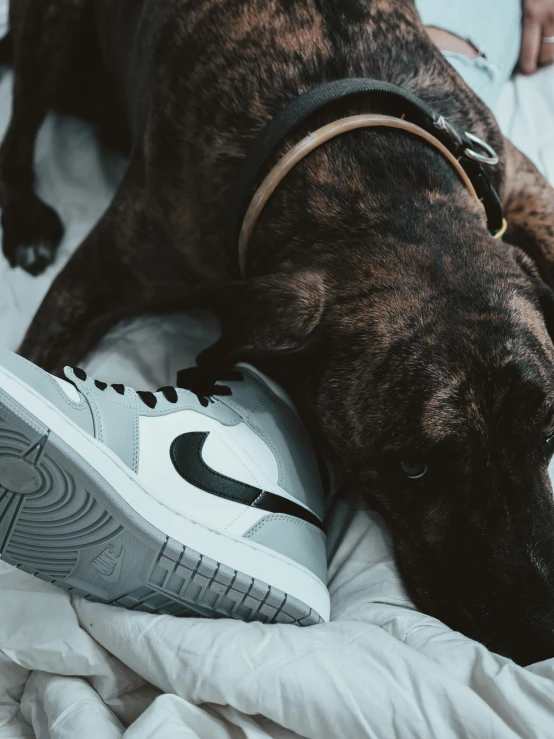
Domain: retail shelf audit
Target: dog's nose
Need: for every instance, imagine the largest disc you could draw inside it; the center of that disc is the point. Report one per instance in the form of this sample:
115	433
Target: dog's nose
532	648
527	640
516	621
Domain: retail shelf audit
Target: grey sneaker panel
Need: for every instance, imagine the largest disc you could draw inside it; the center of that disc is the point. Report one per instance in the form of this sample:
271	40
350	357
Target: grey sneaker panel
48	387
279	426
116	417
188	401
293	538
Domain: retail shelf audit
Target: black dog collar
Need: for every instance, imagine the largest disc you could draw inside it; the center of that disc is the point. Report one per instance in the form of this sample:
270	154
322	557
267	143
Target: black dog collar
460	144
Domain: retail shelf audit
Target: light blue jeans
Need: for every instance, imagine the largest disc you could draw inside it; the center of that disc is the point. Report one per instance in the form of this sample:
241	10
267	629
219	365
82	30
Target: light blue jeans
493	27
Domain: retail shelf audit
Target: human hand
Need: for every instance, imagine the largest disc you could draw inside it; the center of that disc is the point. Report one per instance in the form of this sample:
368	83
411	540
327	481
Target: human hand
537	43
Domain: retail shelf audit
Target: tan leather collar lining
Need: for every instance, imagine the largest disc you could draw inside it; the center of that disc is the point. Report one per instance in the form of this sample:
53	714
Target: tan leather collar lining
315	139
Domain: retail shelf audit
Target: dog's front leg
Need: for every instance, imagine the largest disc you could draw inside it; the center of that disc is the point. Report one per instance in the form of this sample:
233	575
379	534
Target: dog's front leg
529	209
45	35
103	282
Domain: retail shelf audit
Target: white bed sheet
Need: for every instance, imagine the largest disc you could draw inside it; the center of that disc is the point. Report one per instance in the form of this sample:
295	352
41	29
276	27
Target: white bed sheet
69	668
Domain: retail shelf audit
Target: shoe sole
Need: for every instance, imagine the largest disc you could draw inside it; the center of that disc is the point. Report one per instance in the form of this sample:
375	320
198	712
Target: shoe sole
63	522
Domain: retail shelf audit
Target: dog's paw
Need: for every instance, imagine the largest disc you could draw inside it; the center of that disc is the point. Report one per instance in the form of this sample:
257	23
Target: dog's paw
32	232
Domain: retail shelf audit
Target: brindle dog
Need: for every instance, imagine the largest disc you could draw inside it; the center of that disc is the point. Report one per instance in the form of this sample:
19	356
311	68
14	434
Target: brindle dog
421	346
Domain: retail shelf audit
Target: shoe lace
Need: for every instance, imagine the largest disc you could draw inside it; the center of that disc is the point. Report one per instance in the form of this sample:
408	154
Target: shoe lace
204	384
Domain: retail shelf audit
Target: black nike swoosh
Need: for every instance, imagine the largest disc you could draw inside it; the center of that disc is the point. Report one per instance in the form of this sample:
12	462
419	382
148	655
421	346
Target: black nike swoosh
186	455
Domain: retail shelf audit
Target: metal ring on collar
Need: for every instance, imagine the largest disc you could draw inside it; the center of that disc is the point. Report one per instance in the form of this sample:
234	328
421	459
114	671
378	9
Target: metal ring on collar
490	158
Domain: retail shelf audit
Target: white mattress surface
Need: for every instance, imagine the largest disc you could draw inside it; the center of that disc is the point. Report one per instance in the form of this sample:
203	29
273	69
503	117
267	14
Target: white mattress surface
69	668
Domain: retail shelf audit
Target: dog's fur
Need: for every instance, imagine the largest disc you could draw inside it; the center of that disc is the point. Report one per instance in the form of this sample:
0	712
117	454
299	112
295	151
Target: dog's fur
408	331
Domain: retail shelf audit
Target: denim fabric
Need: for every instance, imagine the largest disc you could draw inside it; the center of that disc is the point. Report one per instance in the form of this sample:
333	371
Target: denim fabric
493	27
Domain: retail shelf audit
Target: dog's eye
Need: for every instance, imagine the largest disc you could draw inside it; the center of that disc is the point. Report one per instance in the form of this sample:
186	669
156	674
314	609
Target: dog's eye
413	467
548	425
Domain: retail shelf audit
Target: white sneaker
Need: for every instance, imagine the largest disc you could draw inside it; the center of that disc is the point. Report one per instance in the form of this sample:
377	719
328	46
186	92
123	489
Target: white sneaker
163	502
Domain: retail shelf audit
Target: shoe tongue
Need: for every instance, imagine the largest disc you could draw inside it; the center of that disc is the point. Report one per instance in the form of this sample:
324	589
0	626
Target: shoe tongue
279	391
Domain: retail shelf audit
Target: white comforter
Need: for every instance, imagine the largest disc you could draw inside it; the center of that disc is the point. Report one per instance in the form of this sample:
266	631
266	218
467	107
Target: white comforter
69	668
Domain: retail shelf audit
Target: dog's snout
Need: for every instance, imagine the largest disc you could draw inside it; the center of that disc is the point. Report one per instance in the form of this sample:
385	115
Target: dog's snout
530	645
515	616
492	577
516	622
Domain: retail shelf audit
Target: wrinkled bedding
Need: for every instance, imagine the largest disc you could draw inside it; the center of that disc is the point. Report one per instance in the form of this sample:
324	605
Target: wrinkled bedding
69	668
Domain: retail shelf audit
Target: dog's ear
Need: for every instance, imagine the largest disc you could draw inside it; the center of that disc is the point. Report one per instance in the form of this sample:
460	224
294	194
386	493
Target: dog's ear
545	295
543	291
271	314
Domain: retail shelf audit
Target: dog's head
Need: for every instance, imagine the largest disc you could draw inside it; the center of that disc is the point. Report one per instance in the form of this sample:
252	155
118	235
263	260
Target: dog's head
435	386
442	403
